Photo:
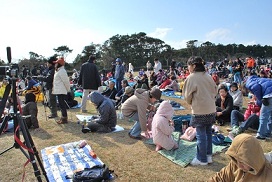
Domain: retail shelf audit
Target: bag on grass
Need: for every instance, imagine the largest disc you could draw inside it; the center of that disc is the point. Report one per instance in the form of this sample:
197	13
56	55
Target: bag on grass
94	174
189	134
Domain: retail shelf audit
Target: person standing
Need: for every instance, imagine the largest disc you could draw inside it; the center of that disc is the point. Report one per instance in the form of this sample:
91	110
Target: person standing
199	91
148	66
61	86
89	79
119	74
157	65
48	79
262	89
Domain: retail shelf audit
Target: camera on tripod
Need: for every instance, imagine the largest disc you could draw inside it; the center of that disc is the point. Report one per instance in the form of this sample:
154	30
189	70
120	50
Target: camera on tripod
12	70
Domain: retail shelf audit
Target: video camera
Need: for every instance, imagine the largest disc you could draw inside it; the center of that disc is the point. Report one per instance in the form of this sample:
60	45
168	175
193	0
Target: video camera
12	70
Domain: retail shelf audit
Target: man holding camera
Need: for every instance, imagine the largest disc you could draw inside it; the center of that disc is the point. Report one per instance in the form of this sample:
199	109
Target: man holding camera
48	79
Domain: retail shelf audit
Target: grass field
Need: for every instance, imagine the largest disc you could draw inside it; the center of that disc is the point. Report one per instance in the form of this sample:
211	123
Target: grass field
132	160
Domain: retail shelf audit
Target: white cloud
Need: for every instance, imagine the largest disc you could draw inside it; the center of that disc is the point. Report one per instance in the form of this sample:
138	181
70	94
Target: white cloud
253	42
219	35
159	33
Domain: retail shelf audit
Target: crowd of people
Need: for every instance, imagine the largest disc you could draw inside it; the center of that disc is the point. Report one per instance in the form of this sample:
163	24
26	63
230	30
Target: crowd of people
214	92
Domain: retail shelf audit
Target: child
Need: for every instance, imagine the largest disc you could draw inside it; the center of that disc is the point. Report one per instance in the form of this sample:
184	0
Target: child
162	127
30	108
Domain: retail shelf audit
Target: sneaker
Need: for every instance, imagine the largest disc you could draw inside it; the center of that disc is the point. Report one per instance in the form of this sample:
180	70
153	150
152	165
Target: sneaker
209	159
52	116
196	162
260	137
135	137
236	131
85	130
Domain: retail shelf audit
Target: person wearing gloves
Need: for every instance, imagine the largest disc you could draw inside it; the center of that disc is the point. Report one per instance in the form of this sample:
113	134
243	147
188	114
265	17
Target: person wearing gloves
107	119
163	127
61	86
135	108
247	162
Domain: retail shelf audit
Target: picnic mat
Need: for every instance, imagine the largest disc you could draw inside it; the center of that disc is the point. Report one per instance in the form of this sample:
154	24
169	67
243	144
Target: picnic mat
186	151
63	160
172	94
88	118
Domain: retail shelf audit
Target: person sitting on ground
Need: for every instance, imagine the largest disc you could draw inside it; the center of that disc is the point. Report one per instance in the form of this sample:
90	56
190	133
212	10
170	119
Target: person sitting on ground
224	105
237	96
128	93
135	108
249	119
30	83
30	109
111	91
173	85
165	81
247	162
215	78
163	127
107	119
121	92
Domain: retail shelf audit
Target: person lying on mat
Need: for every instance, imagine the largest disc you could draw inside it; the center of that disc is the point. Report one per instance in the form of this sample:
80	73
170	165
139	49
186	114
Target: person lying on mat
248	162
162	127
107	119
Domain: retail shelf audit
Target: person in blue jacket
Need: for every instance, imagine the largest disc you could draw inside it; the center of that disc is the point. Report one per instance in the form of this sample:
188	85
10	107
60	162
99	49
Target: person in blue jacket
262	89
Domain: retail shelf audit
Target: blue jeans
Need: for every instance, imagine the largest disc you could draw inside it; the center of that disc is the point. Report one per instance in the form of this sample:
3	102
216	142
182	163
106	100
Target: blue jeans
237	117
204	142
265	120
136	128
237	77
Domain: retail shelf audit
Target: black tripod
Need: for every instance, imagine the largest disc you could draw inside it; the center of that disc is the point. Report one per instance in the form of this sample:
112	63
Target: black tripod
19	125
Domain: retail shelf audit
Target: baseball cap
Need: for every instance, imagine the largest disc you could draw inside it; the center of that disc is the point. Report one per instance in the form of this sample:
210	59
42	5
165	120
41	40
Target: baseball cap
60	61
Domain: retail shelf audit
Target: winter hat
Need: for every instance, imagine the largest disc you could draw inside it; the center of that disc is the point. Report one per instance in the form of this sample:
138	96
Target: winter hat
118	60
60	61
129	90
155	93
51	60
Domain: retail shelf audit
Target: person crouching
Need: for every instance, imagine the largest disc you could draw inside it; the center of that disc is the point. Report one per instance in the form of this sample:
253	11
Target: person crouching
162	127
30	108
106	121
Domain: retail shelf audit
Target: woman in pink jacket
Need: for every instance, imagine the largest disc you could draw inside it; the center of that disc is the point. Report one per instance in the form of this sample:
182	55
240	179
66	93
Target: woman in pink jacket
162	127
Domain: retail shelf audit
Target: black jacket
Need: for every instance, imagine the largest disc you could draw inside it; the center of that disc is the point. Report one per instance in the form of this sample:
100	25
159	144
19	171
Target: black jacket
89	77
48	79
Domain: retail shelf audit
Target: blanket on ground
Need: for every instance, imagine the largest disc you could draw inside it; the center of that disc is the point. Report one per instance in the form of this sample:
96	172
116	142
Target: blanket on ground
186	151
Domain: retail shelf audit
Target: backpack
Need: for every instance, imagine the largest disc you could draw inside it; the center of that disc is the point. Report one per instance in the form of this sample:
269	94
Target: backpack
94	174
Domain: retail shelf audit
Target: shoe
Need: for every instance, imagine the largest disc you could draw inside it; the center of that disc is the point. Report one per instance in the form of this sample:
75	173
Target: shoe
135	137
85	130
63	120
260	138
236	131
209	159
84	111
196	162
52	116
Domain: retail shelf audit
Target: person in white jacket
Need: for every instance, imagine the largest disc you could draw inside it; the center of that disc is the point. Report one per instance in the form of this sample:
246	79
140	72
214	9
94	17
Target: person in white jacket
237	96
61	86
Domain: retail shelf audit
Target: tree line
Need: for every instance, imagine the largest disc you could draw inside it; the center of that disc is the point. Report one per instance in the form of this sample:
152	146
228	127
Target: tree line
139	48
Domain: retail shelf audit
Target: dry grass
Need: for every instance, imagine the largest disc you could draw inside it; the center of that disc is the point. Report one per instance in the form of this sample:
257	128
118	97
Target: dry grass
132	160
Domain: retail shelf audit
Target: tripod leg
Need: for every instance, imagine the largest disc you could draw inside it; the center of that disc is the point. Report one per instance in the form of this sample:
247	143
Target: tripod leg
30	145
36	153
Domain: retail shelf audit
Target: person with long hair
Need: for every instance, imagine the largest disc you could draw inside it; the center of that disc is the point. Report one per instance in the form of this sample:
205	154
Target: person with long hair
199	91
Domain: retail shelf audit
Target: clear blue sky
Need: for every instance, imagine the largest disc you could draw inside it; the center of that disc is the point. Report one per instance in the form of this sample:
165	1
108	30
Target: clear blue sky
41	25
